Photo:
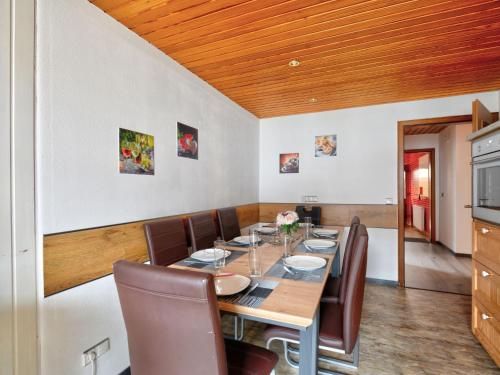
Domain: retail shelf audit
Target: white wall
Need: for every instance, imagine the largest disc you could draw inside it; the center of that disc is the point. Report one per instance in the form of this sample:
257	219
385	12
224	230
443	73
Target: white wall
365	170
422	141
95	76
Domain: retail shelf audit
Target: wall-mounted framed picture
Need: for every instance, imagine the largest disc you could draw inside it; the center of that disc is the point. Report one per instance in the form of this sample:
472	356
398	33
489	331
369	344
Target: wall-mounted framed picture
136	152
289	163
325	146
187	141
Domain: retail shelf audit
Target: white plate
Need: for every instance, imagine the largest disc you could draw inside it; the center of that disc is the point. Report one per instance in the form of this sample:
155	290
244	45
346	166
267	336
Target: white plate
207	255
319	244
244	240
326	232
266	230
305	262
227	285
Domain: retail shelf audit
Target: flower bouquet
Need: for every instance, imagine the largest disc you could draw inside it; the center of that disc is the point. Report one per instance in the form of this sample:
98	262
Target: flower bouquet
288	221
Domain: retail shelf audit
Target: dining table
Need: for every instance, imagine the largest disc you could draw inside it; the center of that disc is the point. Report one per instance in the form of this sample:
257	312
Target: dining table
293	302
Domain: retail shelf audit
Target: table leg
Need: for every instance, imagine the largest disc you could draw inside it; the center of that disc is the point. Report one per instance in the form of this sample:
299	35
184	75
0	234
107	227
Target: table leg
309	348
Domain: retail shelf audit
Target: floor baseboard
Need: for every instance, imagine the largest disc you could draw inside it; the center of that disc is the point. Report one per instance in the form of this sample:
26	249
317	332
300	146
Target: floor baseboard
451	251
371	280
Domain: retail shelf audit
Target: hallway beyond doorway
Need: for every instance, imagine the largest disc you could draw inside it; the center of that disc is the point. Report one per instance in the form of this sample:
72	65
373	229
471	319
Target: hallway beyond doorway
434	267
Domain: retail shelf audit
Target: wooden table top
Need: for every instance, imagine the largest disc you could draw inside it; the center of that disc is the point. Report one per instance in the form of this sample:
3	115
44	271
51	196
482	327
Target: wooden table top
292	302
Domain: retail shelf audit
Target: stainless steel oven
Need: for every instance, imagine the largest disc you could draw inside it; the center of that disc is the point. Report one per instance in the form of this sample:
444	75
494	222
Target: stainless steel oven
486	178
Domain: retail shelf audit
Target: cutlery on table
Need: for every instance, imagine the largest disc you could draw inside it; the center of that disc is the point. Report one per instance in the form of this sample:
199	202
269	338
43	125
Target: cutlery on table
195	262
250	290
289	270
324	235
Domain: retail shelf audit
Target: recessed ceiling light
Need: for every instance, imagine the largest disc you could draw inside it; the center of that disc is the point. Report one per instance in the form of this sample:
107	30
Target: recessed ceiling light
313	100
293	63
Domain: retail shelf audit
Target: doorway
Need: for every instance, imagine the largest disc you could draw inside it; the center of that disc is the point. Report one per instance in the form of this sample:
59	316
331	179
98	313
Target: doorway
434	175
419	207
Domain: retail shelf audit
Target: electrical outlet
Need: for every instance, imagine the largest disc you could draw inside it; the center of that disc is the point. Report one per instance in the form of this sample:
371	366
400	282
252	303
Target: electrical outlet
99	349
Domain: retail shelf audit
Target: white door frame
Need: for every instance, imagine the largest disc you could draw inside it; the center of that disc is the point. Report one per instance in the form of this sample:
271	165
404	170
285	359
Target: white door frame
18	272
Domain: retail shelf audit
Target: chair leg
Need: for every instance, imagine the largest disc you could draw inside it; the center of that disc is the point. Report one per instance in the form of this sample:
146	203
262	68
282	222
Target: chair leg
289	360
351	365
238	336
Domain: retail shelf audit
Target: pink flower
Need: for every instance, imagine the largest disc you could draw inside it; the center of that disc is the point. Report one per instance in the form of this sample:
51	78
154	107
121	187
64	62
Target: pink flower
286	218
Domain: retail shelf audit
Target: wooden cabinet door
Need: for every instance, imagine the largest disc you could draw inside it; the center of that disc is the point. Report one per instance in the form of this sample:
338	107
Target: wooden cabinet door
481	117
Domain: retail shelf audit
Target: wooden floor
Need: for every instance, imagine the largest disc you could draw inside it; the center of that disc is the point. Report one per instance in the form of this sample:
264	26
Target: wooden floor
409	331
411	232
434	267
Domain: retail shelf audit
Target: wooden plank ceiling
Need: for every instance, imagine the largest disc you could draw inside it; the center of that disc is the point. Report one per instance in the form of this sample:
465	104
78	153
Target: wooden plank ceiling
351	52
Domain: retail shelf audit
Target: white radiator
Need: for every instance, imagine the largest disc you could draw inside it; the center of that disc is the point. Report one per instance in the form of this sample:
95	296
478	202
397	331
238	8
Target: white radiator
419	217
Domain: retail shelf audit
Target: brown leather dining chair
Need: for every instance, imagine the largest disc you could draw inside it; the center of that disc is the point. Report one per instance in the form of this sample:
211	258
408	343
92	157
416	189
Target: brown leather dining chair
313	212
228	223
202	231
335	287
339	323
166	241
173	325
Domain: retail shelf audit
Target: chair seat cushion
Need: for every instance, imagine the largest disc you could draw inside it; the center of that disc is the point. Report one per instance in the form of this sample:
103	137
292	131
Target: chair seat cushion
332	290
330	329
248	359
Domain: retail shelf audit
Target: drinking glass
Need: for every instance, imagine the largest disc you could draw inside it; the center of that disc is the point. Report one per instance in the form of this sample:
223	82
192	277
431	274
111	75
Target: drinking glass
253	237
308	230
287	245
219	262
254	262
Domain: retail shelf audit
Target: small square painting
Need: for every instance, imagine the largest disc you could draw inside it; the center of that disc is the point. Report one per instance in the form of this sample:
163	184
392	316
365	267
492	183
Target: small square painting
136	152
187	141
289	163
325	145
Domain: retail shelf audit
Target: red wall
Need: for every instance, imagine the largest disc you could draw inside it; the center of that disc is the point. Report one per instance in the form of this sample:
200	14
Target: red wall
412	191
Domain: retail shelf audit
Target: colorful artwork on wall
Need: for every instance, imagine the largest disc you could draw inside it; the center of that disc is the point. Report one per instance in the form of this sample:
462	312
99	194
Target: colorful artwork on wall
187	141
136	152
289	163
325	145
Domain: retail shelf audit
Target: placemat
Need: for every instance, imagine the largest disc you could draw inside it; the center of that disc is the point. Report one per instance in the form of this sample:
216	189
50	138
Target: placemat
329	250
278	270
239	244
256	297
194	263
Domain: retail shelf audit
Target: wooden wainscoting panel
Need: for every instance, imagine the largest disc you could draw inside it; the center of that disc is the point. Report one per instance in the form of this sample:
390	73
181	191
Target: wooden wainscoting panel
268	211
75	258
372	215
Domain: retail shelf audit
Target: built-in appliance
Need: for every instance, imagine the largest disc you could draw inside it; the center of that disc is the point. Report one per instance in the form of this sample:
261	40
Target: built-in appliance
486	177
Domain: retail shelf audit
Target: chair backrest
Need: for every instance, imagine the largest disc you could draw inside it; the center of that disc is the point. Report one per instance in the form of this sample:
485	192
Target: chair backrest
172	320
346	262
228	223
314	213
353	303
202	231
166	241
